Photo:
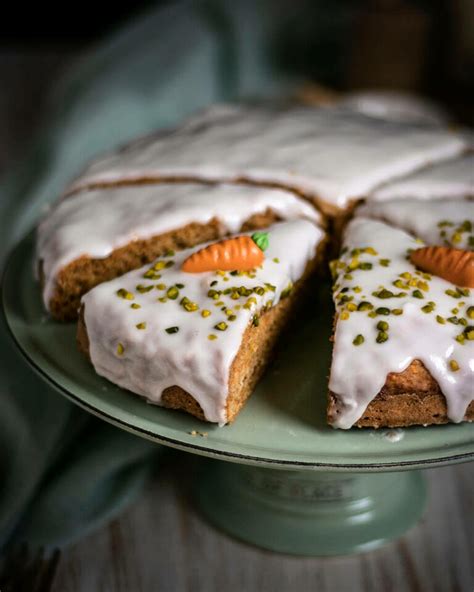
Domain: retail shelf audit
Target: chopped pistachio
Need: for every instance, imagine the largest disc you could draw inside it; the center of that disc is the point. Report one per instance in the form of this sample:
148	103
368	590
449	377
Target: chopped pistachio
222	326
358	340
441	320
397	311
172	293
276	260
212	337
382	336
382	310
255	320
120	349
205	313
141	326
143	289
172	330
179	286
470	312
364	305
135	306
453	365
417	294
382	326
384	262
122	293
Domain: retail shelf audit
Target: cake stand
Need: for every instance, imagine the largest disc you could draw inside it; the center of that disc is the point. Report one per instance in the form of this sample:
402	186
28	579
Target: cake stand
281	478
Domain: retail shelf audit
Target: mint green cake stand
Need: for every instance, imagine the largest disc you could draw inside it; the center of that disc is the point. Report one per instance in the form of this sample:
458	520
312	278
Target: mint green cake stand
281	479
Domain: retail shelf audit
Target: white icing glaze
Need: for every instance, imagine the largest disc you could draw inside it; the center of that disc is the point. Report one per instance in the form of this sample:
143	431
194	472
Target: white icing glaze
95	223
454	178
330	153
396	106
359	372
152	359
440	223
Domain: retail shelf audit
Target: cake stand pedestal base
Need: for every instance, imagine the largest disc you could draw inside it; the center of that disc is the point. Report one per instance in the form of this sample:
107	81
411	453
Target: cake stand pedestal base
310	513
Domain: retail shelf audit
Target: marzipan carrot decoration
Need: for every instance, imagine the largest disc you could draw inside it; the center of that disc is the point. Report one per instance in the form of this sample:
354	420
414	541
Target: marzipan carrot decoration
240	253
454	265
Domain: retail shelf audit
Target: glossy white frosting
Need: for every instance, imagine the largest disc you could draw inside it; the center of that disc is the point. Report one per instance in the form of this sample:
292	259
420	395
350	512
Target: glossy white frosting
329	153
359	371
396	106
152	359
441	222
454	178
95	223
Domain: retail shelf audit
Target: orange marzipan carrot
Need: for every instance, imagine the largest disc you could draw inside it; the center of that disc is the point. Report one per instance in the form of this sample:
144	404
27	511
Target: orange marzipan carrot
454	265
240	253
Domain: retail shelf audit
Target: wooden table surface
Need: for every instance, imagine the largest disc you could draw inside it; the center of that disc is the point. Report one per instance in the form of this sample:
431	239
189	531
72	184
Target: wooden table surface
162	544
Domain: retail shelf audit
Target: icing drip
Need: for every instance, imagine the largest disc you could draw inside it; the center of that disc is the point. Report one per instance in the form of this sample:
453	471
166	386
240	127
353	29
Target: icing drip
444	222
330	153
406	315
95	223
145	344
454	178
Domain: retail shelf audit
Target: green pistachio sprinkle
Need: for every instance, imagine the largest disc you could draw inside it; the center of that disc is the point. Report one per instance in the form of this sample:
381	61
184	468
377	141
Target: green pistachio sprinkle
382	326
470	312
453	320
169	253
276	260
120	349
214	283
452	293
428	308
441	320
455	310
172	292
222	326
172	330
231	317
169	264
151	275
122	293
463	322
382	336
364	305
469	333
460	338
358	340
384	262
365	266
454	365
212	337
397	311
417	294
255	321
163	299
141	326
188	305
143	289
205	313
383	294
180	286
214	294
287	291
160	286
135	306
382	310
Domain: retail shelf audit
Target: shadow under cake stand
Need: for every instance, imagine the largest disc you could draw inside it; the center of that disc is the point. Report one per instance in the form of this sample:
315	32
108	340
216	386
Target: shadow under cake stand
281	478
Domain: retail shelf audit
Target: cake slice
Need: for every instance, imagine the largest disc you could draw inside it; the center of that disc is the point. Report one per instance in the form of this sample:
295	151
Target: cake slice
448	222
94	236
330	155
403	350
200	340
450	179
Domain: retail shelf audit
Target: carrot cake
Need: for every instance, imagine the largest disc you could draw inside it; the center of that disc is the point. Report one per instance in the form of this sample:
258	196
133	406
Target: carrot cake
330	155
94	236
195	329
403	336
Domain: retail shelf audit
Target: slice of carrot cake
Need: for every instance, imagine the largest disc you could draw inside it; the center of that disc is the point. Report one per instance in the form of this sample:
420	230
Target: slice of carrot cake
94	236
403	342
194	330
330	155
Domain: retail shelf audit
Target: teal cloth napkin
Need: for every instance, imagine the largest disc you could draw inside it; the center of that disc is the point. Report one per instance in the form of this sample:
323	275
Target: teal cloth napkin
62	472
